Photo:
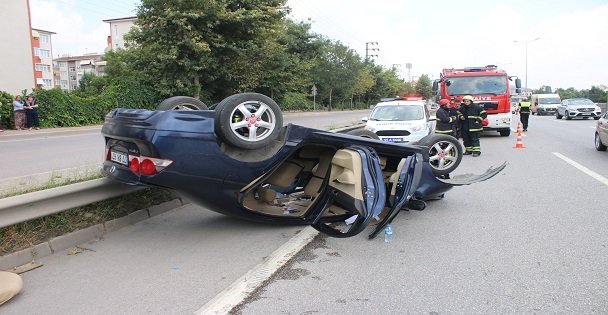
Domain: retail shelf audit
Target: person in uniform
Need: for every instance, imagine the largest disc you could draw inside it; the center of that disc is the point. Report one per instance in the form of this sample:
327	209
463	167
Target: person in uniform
471	116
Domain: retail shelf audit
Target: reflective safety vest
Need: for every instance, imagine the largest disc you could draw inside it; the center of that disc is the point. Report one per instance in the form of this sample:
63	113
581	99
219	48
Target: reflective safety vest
524	107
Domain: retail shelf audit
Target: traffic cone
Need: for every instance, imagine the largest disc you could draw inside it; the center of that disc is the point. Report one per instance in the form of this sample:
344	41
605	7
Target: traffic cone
519	144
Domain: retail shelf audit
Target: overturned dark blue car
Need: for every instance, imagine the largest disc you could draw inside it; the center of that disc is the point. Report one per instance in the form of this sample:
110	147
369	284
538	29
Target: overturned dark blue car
238	159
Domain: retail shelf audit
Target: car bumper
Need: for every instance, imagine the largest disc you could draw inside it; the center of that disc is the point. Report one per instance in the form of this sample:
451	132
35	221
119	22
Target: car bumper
547	111
584	114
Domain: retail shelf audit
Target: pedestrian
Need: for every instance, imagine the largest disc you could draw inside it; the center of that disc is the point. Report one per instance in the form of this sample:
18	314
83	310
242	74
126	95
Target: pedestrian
31	113
445	121
19	113
524	112
471	116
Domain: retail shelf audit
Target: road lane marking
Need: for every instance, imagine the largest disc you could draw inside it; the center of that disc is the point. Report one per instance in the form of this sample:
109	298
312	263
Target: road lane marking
48	138
583	169
240	289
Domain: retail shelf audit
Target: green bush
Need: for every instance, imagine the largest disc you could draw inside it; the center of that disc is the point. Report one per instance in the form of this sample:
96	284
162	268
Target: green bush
6	109
61	109
296	101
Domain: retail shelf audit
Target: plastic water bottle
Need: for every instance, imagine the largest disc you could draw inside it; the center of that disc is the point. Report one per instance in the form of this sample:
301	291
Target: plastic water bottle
388	233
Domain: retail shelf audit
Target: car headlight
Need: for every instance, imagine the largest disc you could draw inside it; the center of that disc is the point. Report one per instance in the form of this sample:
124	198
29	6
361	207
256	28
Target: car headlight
418	127
370	128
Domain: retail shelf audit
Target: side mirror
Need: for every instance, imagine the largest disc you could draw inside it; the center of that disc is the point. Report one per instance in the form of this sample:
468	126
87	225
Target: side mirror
364	119
518	83
435	86
517	90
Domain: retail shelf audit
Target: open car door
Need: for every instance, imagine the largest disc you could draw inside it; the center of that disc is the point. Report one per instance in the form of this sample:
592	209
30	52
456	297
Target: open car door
403	185
353	195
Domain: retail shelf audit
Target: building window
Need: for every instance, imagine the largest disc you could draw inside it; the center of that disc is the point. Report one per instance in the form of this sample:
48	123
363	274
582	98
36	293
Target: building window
42	53
43	67
45	39
48	83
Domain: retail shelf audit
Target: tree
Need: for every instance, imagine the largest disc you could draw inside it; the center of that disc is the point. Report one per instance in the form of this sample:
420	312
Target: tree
424	87
222	45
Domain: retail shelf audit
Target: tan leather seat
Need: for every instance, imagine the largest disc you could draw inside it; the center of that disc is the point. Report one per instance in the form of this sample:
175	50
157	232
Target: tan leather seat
10	285
319	172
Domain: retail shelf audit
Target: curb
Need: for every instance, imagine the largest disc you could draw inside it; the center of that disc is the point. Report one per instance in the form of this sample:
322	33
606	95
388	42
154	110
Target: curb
86	235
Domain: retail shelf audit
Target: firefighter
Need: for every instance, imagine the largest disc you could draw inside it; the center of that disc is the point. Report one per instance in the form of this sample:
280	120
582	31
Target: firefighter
445	121
471	116
524	112
455	111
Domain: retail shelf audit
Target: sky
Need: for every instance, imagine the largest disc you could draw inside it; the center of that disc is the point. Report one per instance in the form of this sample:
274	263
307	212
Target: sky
571	49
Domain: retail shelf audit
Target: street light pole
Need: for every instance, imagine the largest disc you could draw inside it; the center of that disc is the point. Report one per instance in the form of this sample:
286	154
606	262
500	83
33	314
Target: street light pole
526	43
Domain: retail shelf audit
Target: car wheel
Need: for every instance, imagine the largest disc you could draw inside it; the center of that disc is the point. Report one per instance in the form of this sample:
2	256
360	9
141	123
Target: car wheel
596	118
248	120
505	133
598	143
557	115
364	133
567	115
181	103
445	153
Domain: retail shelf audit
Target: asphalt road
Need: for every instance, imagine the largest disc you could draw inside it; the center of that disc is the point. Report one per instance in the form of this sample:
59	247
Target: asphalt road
531	240
33	158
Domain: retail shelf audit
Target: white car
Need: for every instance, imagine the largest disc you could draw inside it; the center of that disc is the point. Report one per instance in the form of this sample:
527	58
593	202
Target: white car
400	120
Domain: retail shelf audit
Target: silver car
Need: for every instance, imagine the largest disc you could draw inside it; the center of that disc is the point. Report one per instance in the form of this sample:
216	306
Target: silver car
578	107
601	133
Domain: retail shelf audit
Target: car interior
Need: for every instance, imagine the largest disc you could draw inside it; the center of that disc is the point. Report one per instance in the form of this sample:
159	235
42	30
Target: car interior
292	187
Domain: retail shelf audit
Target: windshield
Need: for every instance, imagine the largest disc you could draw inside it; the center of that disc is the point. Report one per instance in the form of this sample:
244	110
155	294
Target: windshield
397	112
581	102
552	100
477	85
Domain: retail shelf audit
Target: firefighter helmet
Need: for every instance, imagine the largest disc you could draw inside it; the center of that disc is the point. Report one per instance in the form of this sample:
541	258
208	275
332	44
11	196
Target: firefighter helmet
467	97
443	101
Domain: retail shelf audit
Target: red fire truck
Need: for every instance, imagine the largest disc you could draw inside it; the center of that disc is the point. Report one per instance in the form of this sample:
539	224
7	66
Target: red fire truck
489	87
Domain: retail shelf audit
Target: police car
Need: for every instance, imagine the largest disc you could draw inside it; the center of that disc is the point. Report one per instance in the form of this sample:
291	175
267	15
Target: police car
400	120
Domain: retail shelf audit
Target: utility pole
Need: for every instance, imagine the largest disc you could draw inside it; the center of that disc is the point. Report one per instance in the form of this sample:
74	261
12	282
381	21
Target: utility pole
408	66
372	49
526	43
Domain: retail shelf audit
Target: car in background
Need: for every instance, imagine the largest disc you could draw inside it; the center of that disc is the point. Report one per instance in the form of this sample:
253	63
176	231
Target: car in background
601	133
400	120
544	104
578	108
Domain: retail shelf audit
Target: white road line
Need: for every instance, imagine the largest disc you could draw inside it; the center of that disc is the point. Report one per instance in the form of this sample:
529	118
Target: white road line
50	138
240	289
583	169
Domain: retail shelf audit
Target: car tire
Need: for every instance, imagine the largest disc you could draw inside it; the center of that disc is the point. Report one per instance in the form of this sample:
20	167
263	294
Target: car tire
505	133
364	133
181	103
598	143
567	115
557	115
265	120
442	146
596	118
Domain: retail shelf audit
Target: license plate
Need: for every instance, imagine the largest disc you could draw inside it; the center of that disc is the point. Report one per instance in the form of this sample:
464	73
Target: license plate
392	139
119	157
586	114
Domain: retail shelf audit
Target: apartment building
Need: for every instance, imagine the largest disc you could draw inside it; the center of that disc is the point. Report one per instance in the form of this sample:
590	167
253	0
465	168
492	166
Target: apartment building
16	55
43	58
118	28
70	69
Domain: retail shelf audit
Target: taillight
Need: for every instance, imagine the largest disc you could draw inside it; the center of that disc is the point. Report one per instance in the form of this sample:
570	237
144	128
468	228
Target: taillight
134	165
147	166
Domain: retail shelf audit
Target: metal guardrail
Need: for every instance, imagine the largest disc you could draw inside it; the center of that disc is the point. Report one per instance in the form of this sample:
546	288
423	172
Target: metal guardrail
38	204
22	208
